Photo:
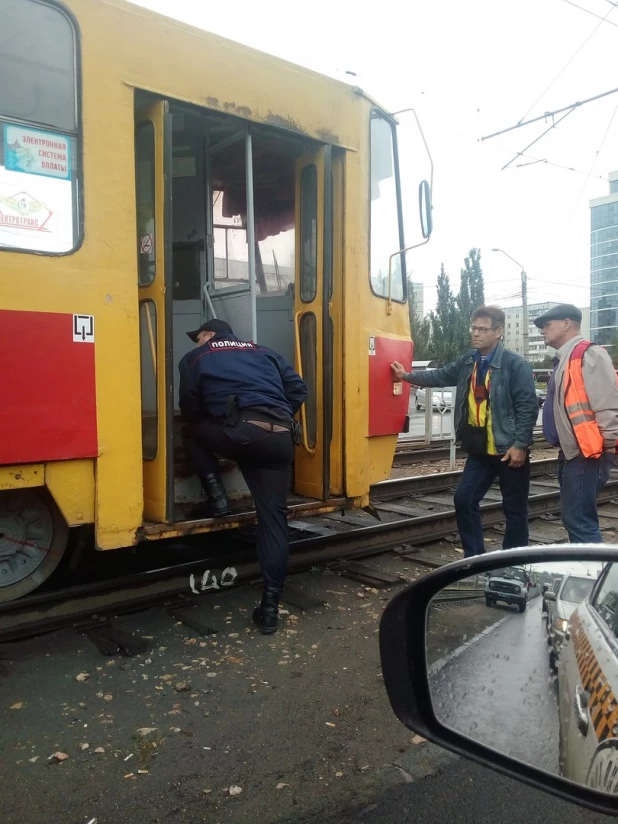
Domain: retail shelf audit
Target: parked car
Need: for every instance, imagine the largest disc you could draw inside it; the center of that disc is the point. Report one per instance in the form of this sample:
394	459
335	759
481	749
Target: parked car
510	586
587	683
574	753
442	399
553	587
560	606
541	395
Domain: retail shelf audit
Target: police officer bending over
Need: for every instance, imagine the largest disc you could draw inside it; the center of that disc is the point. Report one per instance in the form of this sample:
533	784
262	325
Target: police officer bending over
239	400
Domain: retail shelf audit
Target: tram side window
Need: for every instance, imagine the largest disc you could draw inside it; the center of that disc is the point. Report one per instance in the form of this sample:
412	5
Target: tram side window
309	234
145	192
274	187
384	236
230	243
148	361
308	356
308	292
38	129
606	600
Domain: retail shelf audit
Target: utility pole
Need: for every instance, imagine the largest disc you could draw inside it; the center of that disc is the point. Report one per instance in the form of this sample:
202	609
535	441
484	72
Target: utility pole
524	303
524	311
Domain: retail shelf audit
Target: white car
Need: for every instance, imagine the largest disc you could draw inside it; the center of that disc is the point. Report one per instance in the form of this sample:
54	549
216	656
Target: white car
561	604
587	685
442	399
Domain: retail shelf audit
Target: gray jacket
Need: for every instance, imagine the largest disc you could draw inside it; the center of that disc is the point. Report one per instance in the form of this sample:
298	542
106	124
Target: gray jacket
600	382
512	395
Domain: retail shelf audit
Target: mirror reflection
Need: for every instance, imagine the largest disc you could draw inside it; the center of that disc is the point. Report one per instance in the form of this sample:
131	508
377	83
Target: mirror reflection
524	659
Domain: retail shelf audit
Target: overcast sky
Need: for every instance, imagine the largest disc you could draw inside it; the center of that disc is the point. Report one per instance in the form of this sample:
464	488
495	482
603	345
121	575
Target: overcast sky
471	69
584	568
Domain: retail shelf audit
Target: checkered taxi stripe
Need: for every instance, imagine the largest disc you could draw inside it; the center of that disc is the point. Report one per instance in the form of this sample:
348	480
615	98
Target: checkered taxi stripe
602	704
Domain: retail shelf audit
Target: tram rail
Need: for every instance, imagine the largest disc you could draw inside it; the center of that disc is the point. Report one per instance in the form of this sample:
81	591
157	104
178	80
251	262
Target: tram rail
185	584
455	597
409	452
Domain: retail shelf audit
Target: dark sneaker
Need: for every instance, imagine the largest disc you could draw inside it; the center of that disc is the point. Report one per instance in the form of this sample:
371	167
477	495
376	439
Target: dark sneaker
210	509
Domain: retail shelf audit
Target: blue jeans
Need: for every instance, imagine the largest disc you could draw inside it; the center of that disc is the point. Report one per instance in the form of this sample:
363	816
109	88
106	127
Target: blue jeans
581	479
477	477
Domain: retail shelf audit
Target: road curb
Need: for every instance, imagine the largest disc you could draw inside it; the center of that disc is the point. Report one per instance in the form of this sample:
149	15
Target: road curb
419	761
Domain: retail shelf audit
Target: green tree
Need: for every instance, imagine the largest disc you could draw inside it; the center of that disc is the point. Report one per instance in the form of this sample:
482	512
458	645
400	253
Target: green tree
475	278
546	363
446	336
422	341
471	295
450	323
445	344
420	332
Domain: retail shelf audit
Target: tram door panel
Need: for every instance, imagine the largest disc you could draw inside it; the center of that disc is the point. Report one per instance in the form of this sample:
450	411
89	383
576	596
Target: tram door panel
153	204
313	322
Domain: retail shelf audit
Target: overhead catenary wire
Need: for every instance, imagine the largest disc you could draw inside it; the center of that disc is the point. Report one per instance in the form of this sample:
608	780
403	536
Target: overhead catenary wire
535	160
594	14
559	283
604	138
504	149
497	298
544	160
568	63
544	116
592	165
553	125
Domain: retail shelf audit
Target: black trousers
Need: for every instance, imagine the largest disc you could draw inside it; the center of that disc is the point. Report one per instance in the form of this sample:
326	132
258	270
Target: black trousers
265	460
478	475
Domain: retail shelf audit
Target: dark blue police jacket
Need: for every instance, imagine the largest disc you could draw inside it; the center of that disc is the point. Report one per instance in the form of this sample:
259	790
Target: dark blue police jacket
225	366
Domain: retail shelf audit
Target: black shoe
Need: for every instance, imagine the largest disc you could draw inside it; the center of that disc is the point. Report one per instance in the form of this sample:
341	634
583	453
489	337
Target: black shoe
206	510
266	615
216	504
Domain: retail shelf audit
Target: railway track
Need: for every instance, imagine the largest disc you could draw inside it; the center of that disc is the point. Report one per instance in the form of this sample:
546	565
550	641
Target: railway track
413	511
409	452
455	597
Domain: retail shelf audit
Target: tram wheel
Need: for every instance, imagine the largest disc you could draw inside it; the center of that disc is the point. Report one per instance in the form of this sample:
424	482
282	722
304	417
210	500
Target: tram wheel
33	539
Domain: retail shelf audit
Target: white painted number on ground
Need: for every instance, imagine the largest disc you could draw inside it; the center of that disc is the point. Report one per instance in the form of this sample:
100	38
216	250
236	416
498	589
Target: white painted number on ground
228	576
372	345
83	328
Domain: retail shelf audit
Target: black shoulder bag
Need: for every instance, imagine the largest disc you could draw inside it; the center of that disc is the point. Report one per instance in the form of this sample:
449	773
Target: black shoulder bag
474	438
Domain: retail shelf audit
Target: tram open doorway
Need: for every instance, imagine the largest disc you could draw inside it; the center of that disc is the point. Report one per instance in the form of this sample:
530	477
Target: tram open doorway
246	241
239	228
211	261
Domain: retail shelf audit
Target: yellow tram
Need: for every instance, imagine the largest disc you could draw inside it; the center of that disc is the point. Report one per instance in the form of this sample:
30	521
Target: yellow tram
153	175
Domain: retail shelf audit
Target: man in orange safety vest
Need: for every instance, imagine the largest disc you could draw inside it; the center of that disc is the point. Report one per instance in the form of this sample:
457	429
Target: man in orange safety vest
580	416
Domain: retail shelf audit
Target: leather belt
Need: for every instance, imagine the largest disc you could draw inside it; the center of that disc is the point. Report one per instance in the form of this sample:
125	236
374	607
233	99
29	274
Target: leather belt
271	427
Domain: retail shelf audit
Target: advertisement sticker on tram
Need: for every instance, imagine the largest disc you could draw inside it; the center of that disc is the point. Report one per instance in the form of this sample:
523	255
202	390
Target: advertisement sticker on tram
36	199
35	213
36	152
22	211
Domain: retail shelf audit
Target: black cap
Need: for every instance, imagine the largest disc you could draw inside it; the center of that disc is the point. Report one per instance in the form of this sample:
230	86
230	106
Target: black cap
219	327
564	311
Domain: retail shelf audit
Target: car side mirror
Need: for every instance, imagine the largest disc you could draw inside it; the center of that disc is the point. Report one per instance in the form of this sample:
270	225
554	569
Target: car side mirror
469	665
550	596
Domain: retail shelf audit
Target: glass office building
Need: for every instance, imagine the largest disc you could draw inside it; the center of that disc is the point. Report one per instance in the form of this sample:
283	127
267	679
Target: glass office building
604	265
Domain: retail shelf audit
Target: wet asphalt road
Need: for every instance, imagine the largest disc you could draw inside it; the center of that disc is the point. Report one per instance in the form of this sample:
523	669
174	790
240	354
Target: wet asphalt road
465	793
500	691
